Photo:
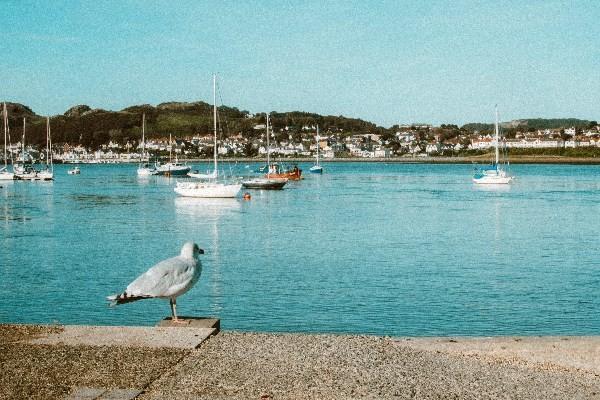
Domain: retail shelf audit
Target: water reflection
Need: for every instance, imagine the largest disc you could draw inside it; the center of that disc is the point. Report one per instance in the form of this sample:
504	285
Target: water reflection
205	216
205	208
491	187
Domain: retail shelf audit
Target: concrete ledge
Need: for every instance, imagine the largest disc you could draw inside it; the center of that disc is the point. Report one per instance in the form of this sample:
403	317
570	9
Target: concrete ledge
129	336
85	393
192	322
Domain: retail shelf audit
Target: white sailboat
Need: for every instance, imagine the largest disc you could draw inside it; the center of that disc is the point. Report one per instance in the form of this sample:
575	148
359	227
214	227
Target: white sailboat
266	183
172	168
23	170
494	174
212	188
4	174
317	169
144	169
47	174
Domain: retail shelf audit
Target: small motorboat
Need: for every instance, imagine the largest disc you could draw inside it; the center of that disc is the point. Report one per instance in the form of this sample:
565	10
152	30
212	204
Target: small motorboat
74	171
265	183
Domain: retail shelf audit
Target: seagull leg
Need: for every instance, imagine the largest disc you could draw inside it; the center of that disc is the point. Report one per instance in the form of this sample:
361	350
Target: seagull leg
174	312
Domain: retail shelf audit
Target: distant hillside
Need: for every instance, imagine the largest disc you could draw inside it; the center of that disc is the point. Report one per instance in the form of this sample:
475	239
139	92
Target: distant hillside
93	127
534	123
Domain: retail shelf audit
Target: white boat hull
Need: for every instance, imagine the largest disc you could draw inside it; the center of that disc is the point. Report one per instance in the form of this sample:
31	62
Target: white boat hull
146	171
45	175
492	177
488	180
198	175
6	176
208	189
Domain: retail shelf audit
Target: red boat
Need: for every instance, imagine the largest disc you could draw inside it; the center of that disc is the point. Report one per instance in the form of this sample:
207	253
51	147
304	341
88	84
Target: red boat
277	171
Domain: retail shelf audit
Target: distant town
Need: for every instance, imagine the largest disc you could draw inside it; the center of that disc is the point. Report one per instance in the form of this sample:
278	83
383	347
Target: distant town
293	135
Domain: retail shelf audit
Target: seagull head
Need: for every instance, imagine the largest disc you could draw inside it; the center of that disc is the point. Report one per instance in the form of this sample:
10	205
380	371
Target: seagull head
191	250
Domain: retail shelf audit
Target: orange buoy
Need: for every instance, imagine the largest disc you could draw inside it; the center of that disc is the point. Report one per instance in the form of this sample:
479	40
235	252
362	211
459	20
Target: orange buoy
247	196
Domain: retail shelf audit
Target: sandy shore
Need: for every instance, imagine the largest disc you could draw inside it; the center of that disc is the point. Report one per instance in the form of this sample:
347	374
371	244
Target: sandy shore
235	365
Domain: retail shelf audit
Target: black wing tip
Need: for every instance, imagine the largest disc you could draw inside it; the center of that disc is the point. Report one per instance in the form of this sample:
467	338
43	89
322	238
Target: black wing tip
124	298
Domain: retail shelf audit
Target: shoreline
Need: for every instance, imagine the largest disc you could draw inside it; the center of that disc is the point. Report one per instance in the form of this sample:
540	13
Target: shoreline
486	159
240	365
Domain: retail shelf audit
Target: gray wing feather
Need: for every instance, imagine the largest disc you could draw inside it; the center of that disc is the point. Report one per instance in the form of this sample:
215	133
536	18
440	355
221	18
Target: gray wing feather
168	278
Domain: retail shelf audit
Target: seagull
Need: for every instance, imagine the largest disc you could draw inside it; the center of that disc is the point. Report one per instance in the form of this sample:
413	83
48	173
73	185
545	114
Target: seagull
168	279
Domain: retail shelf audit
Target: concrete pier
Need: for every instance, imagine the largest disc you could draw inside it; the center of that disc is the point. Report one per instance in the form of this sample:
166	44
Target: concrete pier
80	362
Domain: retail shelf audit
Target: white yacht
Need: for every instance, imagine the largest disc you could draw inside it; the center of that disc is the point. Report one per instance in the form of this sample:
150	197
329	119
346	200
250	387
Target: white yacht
24	170
5	175
47	174
144	169
172	168
496	173
212	188
317	169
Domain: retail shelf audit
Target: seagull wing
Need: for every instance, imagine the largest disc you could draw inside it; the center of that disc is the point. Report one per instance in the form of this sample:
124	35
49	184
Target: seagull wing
168	278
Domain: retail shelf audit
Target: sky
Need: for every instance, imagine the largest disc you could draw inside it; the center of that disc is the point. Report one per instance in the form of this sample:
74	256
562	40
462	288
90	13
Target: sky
388	62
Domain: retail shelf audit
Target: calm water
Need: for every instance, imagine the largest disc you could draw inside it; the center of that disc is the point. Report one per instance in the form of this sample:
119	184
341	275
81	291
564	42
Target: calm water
389	249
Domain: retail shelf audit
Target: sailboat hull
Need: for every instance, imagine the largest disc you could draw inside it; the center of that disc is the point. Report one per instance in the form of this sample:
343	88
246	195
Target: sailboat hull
211	190
6	176
169	169
492	177
46	175
316	169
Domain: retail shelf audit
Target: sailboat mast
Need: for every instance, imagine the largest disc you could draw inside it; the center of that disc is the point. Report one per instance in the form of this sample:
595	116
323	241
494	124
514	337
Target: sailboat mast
318	145
23	143
50	147
5	118
497	136
143	135
47	140
268	150
215	121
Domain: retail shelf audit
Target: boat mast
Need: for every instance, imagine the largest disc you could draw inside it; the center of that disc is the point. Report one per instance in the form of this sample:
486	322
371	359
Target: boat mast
5	118
215	121
318	145
47	141
143	136
497	138
170	148
268	150
23	144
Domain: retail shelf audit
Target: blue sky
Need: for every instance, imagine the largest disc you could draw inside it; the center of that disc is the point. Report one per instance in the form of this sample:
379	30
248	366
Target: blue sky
384	61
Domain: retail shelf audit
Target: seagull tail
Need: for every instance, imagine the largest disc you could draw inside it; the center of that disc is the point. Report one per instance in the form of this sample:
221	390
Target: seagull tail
123	298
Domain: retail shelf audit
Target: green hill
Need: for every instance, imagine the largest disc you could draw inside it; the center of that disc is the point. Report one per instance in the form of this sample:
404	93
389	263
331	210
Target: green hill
94	127
533	123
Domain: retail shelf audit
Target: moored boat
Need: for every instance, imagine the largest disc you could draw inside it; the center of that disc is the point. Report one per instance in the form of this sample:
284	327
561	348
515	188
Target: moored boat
5	175
144	169
268	182
212	188
317	169
495	174
265	183
278	171
172	168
